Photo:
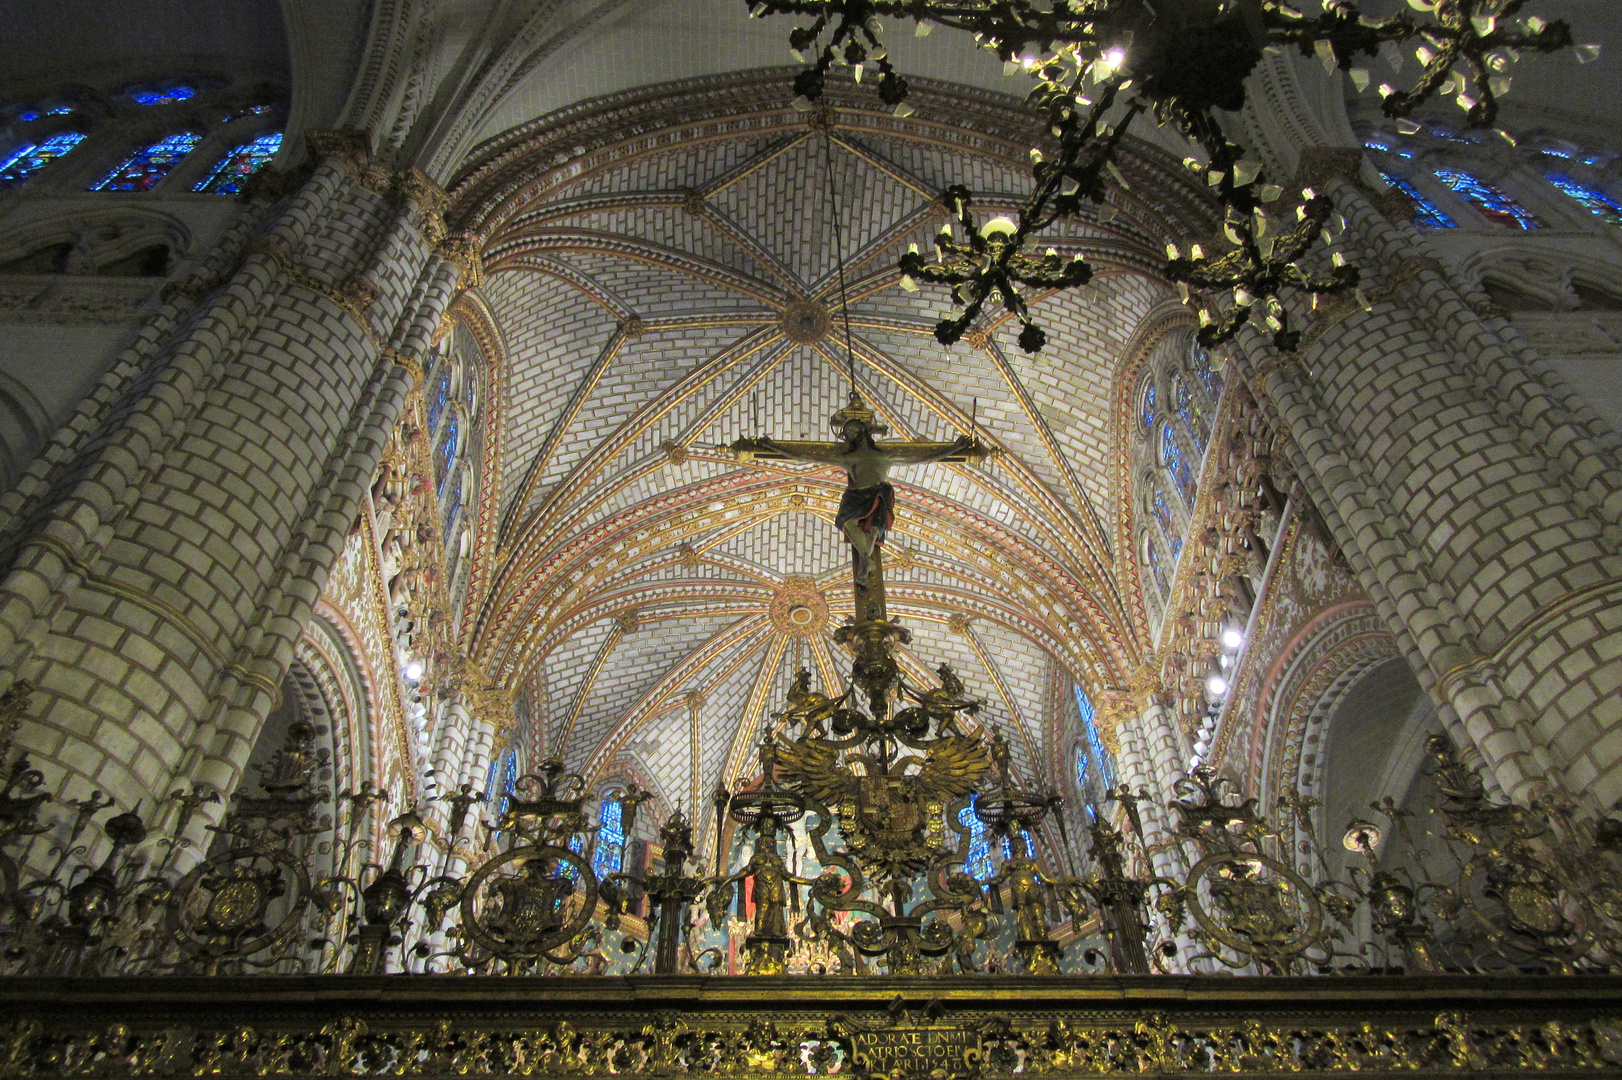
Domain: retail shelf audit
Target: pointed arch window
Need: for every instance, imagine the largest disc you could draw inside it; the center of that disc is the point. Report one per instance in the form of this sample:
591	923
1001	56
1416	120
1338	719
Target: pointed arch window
453	503
1200	361
507	770
978	861
1157	571
1146	404
1493	204
142	170
1171	455
1168	523
1094	762
162	95
1193	417
28	160
440	396
235	168
610	854
447	450
1593	200
1426	214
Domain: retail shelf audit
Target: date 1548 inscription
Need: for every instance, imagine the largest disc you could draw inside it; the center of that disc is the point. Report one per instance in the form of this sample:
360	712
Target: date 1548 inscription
916	1051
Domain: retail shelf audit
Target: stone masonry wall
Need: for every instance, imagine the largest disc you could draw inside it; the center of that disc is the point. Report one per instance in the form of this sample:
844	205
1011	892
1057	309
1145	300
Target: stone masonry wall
1479	502
164	552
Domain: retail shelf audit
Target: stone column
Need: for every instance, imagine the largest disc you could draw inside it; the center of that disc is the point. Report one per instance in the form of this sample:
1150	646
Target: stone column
1477	499
163	553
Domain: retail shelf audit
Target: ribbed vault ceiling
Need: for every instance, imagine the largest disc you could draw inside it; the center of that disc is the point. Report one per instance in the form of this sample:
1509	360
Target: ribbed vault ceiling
654	295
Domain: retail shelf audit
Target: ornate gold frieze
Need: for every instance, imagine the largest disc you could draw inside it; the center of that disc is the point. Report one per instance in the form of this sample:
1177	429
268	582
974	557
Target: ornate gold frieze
772	1027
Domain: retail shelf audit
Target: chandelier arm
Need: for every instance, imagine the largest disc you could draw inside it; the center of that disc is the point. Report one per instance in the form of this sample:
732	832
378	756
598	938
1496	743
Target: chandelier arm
1184	76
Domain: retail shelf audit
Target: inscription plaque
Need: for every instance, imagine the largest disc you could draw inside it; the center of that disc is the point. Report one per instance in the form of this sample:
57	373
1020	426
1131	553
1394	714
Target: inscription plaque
916	1051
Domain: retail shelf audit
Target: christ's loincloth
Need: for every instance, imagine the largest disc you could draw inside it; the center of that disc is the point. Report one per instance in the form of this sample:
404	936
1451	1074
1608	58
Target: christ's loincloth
872	508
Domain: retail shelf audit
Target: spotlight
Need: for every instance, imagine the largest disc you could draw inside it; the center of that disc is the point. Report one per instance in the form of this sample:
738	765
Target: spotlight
1216	686
1232	638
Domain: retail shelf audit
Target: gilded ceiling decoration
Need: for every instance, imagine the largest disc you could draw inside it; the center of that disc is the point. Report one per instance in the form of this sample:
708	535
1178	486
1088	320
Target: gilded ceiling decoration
674	288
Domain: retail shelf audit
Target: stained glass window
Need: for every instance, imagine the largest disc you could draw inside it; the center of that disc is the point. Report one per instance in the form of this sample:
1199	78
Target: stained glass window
1148	410
1093	750
1167	523
1200	360
447	452
142	170
249	110
28	160
168	95
1193	417
1171	454
1593	199
978	860
1156	570
440	396
1494	205
454	503
610	854
241	163
1426	215
35	114
508	771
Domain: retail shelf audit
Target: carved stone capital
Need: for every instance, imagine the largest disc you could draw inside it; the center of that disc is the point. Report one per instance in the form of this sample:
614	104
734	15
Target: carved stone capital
1114	708
463	249
413	188
352	150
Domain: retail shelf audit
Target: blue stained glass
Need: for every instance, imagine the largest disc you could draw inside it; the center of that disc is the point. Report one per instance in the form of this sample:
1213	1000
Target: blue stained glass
440	396
166	96
27	116
1593	199
1494	205
142	170
447	452
1008	845
508	771
1176	464
241	163
1095	748
1193	417
28	160
1207	374
610	854
1426	215
1148	405
978	861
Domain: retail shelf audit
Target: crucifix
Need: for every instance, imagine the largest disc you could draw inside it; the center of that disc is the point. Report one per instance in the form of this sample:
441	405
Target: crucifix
868	507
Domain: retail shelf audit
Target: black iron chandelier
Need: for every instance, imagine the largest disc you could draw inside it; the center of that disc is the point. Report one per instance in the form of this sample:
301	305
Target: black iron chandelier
1177	61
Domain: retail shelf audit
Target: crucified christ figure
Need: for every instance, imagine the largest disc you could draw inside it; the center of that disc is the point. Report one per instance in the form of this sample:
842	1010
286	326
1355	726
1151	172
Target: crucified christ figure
868	507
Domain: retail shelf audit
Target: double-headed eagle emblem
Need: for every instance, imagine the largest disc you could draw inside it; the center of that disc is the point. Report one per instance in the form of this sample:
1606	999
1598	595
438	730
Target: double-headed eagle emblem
890	817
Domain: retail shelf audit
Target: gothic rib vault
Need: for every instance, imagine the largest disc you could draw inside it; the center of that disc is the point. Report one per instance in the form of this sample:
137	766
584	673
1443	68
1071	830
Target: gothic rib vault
680	291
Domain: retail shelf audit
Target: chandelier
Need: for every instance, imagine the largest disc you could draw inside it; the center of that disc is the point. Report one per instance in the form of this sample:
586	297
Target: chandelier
1098	65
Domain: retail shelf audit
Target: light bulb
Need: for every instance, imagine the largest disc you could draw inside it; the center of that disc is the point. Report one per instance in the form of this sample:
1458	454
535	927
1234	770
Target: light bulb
1216	685
1232	638
998	226
413	670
